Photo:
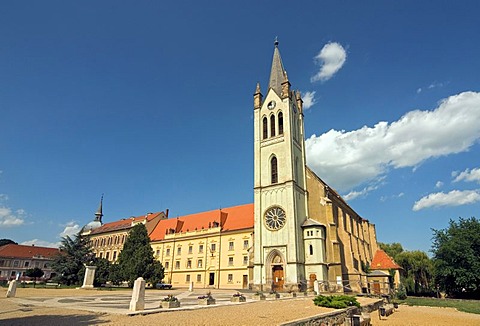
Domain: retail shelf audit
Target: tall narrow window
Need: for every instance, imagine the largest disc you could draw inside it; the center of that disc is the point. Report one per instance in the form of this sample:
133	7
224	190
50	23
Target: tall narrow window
272	126
265	128
280	123
274	169
311	250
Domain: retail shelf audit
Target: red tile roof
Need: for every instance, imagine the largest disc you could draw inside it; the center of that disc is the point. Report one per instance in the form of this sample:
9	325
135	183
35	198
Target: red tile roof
123	224
383	261
21	251
229	219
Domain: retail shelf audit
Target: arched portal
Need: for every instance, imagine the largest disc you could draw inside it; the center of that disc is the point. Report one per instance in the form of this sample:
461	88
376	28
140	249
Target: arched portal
275	270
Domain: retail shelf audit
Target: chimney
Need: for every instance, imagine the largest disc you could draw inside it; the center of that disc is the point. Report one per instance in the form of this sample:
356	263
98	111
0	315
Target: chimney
166	212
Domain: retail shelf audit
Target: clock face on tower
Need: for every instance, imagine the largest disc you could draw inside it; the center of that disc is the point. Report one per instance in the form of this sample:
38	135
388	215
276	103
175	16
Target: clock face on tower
275	218
271	105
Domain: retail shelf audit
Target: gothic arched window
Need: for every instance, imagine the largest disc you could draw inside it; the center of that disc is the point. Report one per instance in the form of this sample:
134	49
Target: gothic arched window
272	126
274	169
265	128
280	123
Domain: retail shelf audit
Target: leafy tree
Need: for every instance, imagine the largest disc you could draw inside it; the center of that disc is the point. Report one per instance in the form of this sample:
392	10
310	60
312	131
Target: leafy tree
418	272
456	254
136	258
102	273
392	249
34	272
6	241
69	263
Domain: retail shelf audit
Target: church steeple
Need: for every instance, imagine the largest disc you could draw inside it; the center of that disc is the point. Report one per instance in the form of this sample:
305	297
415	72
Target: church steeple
99	213
278	75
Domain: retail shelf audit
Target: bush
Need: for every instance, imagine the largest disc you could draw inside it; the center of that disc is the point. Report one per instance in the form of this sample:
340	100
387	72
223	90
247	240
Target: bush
336	301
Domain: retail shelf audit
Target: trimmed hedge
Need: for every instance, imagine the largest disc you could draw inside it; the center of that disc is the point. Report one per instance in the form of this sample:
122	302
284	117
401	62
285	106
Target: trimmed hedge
336	301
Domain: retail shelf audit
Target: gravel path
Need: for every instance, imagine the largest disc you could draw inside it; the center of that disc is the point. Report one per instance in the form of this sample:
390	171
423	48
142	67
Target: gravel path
256	313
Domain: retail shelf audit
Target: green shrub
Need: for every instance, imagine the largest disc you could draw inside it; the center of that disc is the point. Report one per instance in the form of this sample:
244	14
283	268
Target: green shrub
336	301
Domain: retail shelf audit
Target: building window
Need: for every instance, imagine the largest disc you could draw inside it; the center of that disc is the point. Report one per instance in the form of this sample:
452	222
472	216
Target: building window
2	262
200	249
231	245
168	252
265	128
37	264
280	123
199	277
16	263
272	126
187	278
245	260
230	261
13	273
26	264
189	263
274	170
115	255
107	256
311	249
245	244
167	264
190	249
200	263
214	247
230	278
179	250
177	264
101	255
45	265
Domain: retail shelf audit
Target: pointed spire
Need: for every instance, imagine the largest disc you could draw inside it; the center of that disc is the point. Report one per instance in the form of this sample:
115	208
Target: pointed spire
99	213
277	74
257	97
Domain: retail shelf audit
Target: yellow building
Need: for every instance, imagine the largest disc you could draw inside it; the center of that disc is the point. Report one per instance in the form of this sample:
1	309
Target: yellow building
210	249
106	240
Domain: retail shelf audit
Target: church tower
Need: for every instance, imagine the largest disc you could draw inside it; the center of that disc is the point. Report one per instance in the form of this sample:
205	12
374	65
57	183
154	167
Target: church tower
280	195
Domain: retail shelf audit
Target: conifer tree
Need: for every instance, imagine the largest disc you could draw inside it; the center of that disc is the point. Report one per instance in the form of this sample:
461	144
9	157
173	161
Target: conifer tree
136	258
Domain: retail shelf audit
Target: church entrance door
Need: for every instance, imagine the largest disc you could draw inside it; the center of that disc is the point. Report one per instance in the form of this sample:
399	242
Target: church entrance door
277	273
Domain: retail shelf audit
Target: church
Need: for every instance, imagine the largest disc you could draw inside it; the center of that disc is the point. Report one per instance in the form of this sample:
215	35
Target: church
297	230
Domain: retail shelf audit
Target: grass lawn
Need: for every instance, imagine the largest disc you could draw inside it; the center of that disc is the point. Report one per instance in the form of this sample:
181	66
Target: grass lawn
471	306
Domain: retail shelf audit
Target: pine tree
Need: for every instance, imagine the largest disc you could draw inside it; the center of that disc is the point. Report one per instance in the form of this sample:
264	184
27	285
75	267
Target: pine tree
136	258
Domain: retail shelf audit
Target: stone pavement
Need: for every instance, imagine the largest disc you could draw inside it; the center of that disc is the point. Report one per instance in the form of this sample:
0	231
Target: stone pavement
117	302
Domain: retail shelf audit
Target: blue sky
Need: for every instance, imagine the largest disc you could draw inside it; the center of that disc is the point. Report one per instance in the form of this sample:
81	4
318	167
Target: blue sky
151	104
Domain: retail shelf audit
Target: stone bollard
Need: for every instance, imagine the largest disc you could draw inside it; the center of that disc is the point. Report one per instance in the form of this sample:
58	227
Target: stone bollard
12	289
190	287
138	295
316	287
89	277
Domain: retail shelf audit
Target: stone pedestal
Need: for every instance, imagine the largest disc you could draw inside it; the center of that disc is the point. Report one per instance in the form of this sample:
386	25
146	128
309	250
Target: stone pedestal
138	295
89	277
12	289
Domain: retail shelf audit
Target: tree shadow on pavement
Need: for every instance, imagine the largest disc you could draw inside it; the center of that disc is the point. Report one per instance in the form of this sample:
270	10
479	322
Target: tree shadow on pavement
53	320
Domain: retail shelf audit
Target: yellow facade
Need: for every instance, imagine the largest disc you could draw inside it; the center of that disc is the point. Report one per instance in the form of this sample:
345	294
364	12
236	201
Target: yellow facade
208	258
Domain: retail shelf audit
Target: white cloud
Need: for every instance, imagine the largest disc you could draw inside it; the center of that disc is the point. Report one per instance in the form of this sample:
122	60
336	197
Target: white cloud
331	58
362	193
419	90
468	175
40	243
453	198
309	100
70	229
385	198
348	159
439	184
9	218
